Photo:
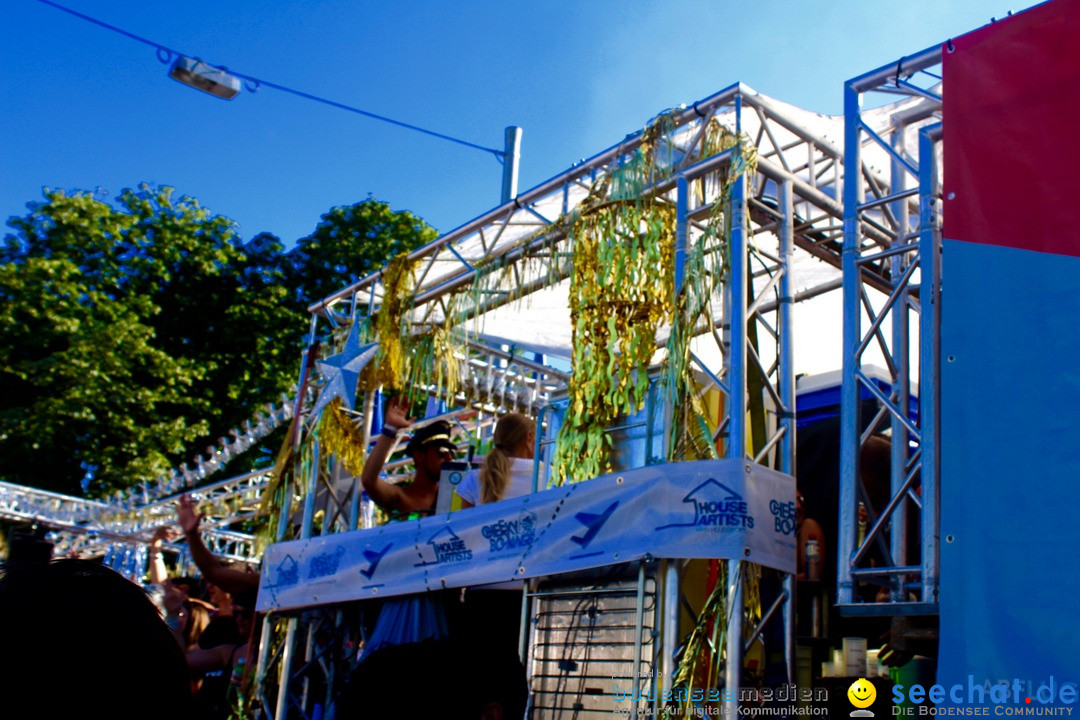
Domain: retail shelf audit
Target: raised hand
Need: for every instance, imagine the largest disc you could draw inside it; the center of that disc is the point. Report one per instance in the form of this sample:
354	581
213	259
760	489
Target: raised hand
187	516
397	413
173	599
163	533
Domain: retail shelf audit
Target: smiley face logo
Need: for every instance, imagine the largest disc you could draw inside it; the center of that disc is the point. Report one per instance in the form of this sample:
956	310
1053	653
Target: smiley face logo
862	693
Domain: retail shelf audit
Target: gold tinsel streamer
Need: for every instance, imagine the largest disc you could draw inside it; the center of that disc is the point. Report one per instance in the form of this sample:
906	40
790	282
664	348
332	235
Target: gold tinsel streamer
340	436
390	366
703	652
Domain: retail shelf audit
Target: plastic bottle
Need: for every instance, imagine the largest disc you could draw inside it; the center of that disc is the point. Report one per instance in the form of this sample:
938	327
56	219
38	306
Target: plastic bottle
237	676
367	511
813	559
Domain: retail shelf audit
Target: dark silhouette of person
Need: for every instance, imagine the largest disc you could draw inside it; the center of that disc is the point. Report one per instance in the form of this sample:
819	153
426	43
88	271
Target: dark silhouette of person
79	640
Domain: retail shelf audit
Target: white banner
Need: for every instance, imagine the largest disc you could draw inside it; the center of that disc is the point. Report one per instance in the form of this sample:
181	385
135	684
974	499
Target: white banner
703	509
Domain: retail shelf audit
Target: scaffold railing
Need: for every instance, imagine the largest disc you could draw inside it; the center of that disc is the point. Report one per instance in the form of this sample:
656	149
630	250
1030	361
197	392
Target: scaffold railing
88	528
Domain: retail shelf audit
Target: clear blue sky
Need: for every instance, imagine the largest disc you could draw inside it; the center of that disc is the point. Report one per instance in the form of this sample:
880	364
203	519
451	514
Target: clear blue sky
84	108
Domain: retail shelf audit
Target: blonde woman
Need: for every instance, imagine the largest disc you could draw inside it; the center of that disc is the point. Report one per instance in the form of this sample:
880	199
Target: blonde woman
508	469
494	612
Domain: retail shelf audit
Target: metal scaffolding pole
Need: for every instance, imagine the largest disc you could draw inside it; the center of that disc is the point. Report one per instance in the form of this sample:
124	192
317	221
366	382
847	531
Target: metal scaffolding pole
739	283
639	623
312	481
670	626
901	360
849	389
930	358
786	382
511	161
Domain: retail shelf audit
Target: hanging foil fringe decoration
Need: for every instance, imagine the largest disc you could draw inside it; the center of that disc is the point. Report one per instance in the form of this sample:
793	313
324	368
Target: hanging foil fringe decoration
393	327
621	291
340	435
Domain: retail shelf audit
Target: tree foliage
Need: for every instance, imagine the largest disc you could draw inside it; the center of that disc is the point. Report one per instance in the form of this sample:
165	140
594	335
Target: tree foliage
133	336
351	242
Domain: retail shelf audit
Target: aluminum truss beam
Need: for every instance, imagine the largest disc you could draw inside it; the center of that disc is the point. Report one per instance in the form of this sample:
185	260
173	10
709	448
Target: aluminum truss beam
87	528
536	219
223	502
911	252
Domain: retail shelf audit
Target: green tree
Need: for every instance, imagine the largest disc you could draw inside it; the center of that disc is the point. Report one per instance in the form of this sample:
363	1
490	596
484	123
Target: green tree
131	337
121	337
351	242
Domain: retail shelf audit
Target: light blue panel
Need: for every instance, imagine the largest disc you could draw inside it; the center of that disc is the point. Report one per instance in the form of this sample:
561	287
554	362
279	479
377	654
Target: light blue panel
1010	466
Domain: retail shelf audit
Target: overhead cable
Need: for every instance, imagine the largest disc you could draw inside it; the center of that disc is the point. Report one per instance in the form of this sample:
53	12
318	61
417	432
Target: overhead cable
165	53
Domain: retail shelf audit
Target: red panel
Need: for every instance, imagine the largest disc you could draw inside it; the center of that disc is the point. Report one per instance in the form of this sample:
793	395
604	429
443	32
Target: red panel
1012	131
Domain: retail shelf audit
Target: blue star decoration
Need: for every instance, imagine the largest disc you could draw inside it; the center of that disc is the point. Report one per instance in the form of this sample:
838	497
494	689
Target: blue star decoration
342	371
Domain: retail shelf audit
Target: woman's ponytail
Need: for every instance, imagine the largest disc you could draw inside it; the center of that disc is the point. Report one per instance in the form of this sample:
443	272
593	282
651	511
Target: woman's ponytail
511	432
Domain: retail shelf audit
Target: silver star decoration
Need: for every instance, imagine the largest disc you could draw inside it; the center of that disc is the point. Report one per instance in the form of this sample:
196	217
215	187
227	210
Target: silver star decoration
342	371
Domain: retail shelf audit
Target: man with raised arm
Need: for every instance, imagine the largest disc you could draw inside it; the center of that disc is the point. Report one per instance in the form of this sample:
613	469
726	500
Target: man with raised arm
429	447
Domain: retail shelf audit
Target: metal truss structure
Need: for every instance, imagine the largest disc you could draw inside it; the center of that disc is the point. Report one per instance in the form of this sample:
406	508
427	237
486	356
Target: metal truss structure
789	203
223	503
118	530
892	242
89	528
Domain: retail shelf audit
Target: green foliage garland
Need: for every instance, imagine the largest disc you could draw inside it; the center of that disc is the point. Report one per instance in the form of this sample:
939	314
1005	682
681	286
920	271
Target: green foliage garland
620	292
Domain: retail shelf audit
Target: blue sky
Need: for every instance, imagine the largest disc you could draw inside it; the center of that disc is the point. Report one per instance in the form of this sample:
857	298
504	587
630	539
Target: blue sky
84	108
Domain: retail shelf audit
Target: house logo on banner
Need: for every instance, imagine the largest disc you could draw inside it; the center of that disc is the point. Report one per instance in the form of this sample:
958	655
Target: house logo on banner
448	548
287	573
512	534
374	557
716	507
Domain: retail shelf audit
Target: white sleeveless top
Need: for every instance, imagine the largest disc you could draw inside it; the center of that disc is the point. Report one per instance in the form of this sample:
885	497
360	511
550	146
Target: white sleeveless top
521	473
